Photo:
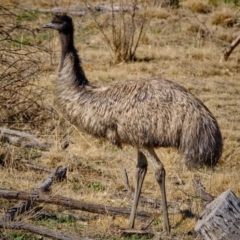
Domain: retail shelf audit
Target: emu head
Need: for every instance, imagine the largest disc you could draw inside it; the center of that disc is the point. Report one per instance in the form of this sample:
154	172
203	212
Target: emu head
62	23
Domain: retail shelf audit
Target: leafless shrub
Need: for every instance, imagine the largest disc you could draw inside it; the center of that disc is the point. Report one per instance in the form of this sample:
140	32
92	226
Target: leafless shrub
19	66
123	26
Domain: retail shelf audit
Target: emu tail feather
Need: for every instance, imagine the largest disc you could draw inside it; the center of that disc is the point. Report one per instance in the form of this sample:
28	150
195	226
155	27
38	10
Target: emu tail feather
201	142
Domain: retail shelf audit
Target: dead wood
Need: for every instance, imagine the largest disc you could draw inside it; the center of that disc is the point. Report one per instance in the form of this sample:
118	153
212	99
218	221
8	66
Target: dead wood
39	168
228	51
25	205
200	191
221	218
59	174
22	139
39	230
147	225
70	203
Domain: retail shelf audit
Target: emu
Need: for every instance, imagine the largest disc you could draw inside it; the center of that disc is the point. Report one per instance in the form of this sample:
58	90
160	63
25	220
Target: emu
145	114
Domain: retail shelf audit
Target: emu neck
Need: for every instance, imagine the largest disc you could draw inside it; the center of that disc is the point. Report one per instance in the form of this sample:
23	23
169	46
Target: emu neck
70	62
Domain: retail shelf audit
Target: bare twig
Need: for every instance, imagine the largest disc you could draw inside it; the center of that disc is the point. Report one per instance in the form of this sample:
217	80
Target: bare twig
39	168
145	226
126	181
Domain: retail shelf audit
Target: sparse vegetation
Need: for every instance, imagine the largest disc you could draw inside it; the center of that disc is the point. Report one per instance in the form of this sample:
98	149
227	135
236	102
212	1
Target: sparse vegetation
224	18
180	44
198	6
96	186
122	29
19	236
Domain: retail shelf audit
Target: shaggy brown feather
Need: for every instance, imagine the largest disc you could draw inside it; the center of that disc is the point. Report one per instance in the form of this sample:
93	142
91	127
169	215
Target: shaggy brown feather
145	113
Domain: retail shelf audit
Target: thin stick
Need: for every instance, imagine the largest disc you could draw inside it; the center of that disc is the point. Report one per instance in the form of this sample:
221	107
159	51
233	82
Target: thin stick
126	181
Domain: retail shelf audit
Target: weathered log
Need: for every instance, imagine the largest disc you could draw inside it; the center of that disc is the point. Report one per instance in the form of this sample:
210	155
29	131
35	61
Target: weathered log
23	206
221	218
70	203
39	230
22	139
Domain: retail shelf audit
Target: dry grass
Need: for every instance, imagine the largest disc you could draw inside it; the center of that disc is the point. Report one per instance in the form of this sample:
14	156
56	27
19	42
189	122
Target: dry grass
178	45
198	6
224	18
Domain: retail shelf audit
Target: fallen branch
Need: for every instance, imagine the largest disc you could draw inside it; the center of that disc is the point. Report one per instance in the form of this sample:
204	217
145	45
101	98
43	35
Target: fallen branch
39	168
228	51
59	174
23	206
70	203
22	139
39	230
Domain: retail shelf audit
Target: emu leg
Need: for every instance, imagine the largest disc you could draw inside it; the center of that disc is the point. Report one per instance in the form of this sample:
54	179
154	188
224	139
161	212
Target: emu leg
160	177
141	170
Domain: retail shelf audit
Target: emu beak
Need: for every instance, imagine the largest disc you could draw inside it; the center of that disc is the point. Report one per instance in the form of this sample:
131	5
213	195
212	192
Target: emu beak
50	25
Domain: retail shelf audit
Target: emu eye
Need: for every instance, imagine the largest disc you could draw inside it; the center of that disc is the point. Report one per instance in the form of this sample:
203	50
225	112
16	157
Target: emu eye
65	24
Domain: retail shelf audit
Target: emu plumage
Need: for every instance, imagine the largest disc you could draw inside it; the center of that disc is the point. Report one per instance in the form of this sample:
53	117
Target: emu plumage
146	114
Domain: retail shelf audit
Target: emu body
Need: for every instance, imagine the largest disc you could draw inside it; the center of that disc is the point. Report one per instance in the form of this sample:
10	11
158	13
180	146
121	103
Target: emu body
146	114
